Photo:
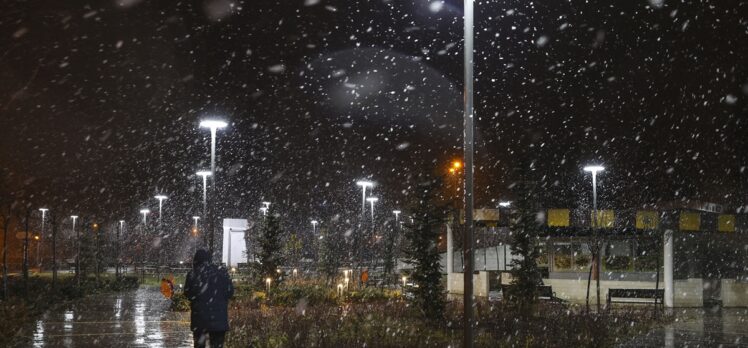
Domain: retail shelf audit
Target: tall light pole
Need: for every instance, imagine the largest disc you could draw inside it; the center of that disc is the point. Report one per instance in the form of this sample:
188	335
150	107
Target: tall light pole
119	244
161	199
205	174
371	201
397	215
39	244
594	170
145	216
213	125
194	234
314	227
77	249
364	184
196	218
468	116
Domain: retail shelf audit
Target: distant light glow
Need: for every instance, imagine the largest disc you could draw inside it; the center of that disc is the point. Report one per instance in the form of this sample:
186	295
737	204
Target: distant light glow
594	169
213	124
505	204
204	173
364	183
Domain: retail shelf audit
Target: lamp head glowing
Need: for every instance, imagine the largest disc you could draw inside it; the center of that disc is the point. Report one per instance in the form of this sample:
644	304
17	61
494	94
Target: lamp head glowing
213	124
266	204
365	183
196	217
204	173
456	164
121	221
372	199
594	169
73	217
43	210
505	204
145	211
315	222
160	197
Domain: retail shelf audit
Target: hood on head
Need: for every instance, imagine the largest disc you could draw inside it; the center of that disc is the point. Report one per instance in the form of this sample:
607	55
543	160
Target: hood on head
201	257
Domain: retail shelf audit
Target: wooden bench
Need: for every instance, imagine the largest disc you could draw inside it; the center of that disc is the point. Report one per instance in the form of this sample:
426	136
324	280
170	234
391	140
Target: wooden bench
636	294
545	292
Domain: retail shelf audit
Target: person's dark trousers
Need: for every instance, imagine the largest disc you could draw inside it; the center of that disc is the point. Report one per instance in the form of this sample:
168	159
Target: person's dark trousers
201	338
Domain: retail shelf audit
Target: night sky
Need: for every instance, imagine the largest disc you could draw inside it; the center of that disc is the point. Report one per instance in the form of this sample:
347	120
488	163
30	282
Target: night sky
100	101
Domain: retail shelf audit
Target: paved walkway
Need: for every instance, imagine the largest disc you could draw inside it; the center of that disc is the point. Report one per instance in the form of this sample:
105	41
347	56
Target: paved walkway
139	318
696	327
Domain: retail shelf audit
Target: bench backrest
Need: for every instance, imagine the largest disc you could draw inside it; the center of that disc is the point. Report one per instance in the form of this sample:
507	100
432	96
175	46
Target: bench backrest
636	293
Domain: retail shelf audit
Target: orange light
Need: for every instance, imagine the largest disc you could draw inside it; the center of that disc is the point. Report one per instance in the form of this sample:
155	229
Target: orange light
456	164
36	237
452	170
95	225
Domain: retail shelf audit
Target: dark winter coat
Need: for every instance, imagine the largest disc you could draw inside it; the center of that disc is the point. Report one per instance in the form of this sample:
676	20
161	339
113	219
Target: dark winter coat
208	288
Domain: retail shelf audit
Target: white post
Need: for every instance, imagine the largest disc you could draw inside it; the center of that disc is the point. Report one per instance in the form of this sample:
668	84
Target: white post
668	266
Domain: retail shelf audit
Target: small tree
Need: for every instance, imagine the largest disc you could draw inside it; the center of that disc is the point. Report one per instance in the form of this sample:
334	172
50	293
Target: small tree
331	253
525	273
422	237
270	255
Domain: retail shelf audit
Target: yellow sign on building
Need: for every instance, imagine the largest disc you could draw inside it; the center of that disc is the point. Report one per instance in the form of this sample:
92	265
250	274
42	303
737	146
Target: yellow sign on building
647	220
558	217
605	218
690	221
726	223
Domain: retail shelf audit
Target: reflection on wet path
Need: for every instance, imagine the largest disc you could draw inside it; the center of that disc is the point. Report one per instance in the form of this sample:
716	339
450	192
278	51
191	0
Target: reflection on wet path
697	327
139	318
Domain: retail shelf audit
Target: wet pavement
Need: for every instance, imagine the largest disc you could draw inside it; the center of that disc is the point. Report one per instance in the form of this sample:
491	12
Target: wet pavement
139	318
697	327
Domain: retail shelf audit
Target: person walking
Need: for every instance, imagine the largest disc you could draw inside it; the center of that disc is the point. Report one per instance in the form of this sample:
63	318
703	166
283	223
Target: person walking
208	288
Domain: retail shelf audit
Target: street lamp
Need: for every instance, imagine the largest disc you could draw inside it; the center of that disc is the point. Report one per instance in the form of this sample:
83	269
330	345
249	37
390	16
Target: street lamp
314	226
119	232
264	211
371	201
594	169
77	248
145	214
397	214
195	218
213	125
468	117
161	199
205	174
364	184
38	246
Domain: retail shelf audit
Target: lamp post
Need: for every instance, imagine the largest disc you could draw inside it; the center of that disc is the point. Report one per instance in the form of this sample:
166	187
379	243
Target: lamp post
468	117
119	243
397	215
314	227
77	250
161	199
145	216
205	174
213	125
371	201
594	169
364	184
39	245
264	211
